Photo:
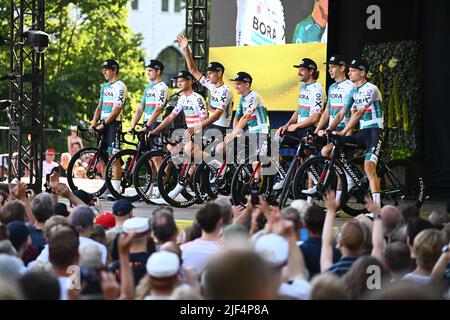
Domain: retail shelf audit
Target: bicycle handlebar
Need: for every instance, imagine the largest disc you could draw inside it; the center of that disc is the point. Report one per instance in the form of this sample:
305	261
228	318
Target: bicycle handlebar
309	135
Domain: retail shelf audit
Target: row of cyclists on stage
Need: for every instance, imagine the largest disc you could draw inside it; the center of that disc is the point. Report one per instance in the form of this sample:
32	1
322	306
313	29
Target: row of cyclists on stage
160	167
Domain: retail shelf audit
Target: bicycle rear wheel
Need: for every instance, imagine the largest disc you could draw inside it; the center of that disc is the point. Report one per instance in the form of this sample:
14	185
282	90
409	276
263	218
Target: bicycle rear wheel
86	171
168	180
240	185
145	175
354	203
125	160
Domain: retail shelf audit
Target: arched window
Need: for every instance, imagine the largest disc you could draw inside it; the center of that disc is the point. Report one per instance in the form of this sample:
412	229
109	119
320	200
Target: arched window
173	62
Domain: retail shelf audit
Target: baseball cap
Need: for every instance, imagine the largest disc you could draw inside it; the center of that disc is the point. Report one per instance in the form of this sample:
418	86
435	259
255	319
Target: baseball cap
337	60
18	233
155	64
163	264
106	220
110	64
122	207
185	75
11	266
273	248
307	63
215	66
243	76
83	196
50	151
60	209
136	224
82	217
359	64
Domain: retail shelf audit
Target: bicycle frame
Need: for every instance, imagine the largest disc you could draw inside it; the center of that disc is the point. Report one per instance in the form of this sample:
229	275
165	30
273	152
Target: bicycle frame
293	167
397	185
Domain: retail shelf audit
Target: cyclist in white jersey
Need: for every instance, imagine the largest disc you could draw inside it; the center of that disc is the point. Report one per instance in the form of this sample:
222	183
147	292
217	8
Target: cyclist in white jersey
368	112
152	105
252	114
339	102
337	111
191	103
154	98
113	96
194	107
221	96
310	104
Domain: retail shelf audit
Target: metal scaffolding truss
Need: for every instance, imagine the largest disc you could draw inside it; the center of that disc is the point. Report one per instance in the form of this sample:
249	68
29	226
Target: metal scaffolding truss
26	94
197	30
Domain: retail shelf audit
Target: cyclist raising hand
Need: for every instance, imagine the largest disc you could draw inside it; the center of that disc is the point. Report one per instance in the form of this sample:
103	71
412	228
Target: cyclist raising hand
221	103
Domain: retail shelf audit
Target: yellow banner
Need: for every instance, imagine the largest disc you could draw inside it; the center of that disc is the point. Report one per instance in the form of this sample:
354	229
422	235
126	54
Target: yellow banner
271	68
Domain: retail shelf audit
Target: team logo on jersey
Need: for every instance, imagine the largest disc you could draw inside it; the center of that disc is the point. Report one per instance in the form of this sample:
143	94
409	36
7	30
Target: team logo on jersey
303	96
336	96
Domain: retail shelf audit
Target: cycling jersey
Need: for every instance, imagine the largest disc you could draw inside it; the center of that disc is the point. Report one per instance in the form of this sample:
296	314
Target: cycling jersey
310	100
194	108
222	99
253	105
308	31
260	22
369	97
339	96
155	96
112	95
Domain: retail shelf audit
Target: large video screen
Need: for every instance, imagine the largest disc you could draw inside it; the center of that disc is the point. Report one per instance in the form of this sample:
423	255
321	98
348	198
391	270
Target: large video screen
266	38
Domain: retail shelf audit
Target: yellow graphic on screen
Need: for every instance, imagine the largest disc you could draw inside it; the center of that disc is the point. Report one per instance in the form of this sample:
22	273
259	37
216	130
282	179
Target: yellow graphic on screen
271	67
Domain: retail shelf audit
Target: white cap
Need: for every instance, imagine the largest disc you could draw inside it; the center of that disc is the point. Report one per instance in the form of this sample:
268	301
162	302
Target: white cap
90	256
273	248
163	264
136	224
301	206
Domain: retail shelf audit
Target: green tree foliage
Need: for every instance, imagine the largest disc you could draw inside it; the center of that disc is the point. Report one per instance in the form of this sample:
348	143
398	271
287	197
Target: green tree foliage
83	34
396	68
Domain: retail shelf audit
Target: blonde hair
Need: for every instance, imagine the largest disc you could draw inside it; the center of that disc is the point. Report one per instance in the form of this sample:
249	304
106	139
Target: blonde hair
427	248
352	236
327	286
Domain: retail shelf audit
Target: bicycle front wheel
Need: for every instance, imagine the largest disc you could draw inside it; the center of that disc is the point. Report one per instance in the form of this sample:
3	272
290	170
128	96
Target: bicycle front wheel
204	182
315	177
120	168
86	171
145	175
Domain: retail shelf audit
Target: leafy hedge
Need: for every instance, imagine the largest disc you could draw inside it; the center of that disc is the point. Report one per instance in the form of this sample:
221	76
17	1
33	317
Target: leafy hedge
395	68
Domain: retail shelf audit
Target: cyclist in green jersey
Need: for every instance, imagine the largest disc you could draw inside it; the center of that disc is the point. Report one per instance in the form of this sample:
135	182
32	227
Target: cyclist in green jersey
339	102
154	98
368	112
313	28
252	114
113	96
